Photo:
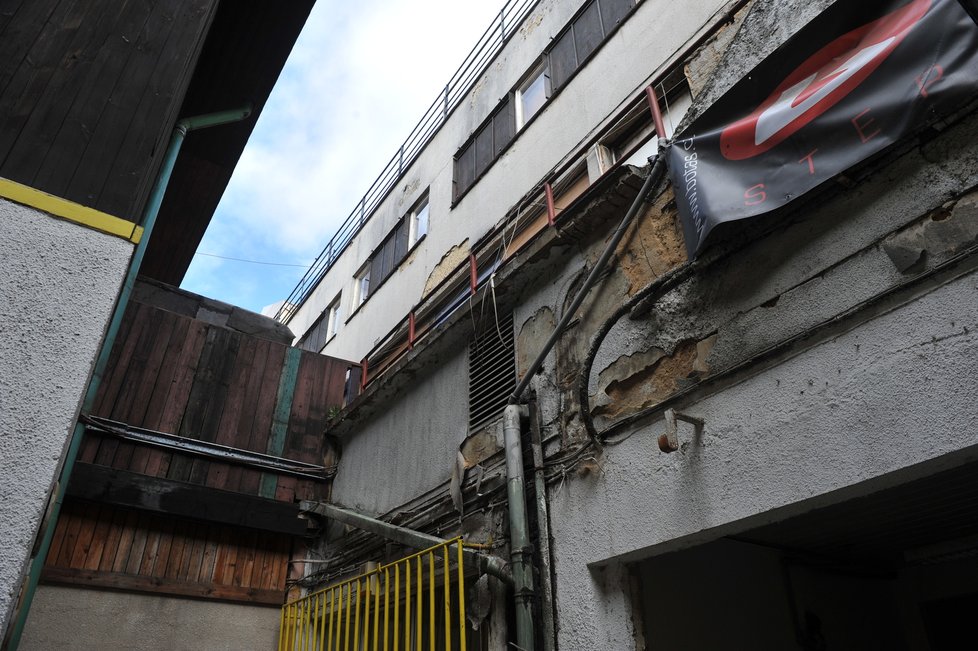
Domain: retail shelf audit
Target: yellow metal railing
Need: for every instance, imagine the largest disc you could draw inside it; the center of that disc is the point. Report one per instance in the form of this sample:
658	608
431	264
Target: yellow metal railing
414	604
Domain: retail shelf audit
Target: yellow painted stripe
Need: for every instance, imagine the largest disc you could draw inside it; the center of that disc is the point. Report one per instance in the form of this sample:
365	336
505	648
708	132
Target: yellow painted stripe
70	210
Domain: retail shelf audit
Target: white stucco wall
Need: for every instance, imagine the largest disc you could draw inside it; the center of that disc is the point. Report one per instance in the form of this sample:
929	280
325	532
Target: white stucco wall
890	394
98	620
59	282
655	31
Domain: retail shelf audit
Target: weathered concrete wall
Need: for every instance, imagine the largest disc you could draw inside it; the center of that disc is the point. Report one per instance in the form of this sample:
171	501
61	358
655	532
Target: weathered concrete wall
624	64
878	399
59	282
94	620
411	446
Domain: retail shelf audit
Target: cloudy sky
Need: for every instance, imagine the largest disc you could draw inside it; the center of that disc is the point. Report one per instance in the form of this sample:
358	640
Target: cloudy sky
361	75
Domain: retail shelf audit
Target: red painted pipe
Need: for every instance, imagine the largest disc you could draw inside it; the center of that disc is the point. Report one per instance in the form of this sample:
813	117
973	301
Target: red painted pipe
660	129
551	210
410	330
473	273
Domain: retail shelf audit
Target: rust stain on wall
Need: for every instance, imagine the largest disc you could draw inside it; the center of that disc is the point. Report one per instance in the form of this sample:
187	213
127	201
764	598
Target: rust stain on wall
651	384
478	447
653	245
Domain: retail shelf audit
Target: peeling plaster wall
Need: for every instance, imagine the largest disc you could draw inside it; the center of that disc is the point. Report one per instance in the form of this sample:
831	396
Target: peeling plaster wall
59	282
99	620
879	399
655	31
884	400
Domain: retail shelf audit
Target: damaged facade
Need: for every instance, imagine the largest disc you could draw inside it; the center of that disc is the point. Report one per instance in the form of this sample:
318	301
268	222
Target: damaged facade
771	446
121	124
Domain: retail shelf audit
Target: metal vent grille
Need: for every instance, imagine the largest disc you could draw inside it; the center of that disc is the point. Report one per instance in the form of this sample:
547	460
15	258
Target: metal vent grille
492	370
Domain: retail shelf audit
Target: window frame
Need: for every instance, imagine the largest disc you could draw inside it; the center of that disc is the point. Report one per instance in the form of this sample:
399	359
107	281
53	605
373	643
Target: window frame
466	173
421	207
539	73
333	313
361	293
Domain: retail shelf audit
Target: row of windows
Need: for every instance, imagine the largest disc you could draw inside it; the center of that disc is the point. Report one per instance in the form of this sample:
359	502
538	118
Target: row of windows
568	52
382	262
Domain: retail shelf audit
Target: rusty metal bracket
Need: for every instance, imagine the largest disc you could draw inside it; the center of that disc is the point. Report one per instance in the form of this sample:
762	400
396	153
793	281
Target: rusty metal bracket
669	442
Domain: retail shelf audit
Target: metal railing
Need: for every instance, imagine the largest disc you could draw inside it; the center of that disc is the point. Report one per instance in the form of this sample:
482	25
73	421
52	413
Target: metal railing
415	603
489	44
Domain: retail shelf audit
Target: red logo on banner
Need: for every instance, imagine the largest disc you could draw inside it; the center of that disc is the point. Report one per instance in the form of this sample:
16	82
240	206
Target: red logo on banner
820	82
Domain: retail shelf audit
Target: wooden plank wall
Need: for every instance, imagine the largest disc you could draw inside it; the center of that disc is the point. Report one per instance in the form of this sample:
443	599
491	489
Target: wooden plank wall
103	546
174	374
89	92
179	375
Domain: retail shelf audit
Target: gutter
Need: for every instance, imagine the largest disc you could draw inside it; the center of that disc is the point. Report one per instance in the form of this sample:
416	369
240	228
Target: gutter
150	213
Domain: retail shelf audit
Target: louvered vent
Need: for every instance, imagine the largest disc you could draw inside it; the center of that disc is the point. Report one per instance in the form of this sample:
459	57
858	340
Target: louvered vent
492	370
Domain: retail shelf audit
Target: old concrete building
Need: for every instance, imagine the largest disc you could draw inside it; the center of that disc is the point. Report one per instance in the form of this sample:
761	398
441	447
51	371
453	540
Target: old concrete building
106	172
769	443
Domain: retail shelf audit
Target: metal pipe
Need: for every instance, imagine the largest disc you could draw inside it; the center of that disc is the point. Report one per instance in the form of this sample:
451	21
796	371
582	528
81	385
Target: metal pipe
543	530
521	551
207	449
651	181
150	213
404	536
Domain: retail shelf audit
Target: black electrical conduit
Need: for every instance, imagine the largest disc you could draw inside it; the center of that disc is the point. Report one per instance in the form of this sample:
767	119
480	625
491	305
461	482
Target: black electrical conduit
645	296
656	174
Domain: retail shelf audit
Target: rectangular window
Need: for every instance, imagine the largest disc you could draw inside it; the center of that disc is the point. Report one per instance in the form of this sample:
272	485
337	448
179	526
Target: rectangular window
361	285
532	95
333	319
563	59
503	126
587	31
580	38
323	329
612	11
386	257
419	221
583	36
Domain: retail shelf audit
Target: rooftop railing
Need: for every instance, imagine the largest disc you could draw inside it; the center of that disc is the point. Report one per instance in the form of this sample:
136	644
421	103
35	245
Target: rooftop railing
508	20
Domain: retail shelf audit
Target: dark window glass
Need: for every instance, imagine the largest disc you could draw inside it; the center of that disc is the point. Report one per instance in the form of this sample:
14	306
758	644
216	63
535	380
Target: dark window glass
315	338
377	268
587	32
612	11
465	169
483	149
400	242
503	126
563	59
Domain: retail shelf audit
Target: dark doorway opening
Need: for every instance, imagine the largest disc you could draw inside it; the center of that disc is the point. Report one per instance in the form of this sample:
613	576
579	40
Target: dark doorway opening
894	570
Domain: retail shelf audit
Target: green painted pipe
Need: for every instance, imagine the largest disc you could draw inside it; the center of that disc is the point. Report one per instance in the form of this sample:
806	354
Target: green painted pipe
150	213
521	551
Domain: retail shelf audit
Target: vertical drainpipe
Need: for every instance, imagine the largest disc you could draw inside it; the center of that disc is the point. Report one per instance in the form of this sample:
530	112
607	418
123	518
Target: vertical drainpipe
150	213
520	550
543	529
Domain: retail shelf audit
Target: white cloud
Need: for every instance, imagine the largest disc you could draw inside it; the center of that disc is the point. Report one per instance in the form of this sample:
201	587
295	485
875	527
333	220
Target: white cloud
359	78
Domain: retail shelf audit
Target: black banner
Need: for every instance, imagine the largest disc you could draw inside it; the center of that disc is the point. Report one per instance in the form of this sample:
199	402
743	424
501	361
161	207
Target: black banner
850	83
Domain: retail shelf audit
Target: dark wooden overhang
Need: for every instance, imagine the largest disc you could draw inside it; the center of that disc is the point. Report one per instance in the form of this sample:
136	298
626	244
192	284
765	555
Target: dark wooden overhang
245	51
